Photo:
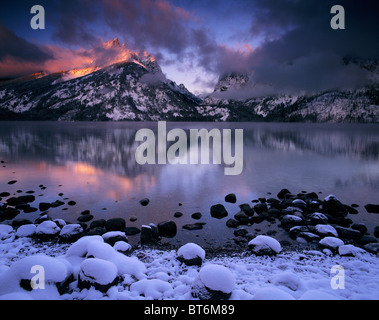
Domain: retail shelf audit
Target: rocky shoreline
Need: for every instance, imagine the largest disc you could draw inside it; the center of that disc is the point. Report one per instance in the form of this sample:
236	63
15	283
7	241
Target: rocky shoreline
303	217
93	259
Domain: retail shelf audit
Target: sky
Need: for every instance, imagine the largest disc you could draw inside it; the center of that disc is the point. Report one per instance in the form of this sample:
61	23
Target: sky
286	46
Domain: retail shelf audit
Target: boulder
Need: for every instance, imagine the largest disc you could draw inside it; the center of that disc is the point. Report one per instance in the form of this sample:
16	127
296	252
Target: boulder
47	230
71	232
214	282
144	202
372	208
282	193
115	224
231	197
167	229
98	273
264	245
290	220
191	254
218	211
347	233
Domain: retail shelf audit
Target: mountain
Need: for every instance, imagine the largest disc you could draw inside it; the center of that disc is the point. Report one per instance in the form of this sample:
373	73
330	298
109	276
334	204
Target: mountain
233	100
133	89
132	86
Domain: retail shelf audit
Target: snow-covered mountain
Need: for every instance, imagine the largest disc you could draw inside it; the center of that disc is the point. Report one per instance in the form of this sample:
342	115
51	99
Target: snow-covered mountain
234	100
133	89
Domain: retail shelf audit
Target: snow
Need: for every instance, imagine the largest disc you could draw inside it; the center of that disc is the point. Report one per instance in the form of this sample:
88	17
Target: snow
217	277
150	289
27	230
191	251
47	228
157	274
326	230
331	242
265	242
98	271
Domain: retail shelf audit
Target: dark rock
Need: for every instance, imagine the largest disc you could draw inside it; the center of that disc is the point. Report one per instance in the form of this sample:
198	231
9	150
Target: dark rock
335	208
231	197
372	247
178	214
131	231
85	212
241	217
194	226
372	208
12	182
367	239
96	231
144	202
167	229
343	222
309	236
245	207
318	218
85	218
282	193
8	214
16	223
71	203
196	215
133	219
351	210
232	223
360	227
295	231
5	194
43	206
260	207
218	211
347	233
298	203
97	223
274	212
289	221
146	235
262	200
240	232
376	232
30	209
57	203
115	224
311	196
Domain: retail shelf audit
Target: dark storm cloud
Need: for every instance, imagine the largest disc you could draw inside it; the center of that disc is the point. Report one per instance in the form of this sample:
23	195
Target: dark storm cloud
17	48
303	53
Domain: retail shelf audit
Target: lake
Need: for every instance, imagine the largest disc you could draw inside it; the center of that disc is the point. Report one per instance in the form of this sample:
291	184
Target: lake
94	165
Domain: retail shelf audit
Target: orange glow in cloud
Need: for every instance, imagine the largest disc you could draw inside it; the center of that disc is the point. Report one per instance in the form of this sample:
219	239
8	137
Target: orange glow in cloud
79	62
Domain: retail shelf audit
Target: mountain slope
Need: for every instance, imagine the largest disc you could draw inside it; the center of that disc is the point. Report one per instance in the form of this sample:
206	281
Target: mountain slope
130	90
233	100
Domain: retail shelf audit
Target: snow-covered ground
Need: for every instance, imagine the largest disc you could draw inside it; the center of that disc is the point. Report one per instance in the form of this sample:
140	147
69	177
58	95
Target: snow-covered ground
103	272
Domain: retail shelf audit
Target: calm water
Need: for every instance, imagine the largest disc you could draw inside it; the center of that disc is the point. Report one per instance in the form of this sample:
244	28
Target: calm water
94	165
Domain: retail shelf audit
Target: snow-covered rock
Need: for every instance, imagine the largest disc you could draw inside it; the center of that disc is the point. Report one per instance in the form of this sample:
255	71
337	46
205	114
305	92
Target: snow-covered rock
214	282
5	231
191	254
264	245
326	230
27	230
111	237
349	250
47	230
98	273
71	232
331	242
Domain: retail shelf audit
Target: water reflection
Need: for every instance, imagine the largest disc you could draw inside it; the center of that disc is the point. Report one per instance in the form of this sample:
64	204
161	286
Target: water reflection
95	164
